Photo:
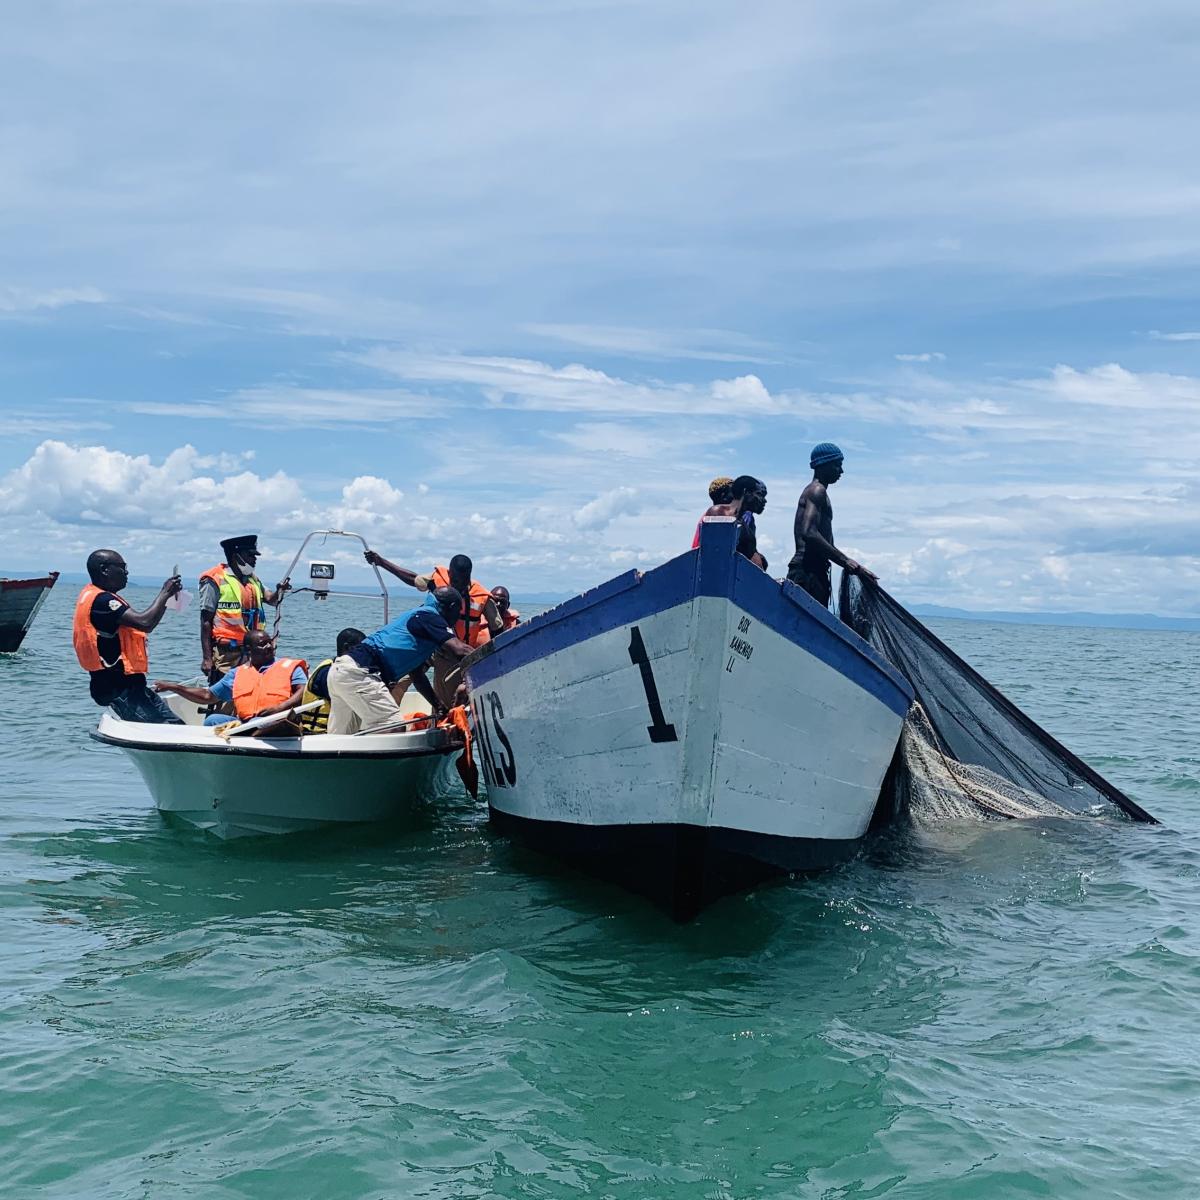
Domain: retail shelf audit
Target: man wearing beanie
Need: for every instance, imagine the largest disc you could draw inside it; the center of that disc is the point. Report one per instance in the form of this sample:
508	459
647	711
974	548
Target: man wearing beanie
814	529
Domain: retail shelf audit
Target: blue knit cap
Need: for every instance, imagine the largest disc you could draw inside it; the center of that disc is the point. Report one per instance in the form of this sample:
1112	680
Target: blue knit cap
824	452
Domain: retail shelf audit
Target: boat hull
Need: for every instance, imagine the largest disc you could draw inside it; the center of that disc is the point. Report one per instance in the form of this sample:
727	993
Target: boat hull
688	730
258	787
20	602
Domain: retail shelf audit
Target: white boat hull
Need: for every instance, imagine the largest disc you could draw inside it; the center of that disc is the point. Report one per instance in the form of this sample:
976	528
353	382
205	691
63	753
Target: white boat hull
254	786
773	729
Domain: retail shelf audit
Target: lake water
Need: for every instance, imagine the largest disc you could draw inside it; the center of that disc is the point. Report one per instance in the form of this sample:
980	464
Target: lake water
972	1009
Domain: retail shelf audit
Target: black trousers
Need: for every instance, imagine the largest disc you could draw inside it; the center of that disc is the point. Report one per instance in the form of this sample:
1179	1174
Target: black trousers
815	583
139	703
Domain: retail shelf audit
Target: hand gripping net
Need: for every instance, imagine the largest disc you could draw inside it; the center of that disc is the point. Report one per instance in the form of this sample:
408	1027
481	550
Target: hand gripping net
966	749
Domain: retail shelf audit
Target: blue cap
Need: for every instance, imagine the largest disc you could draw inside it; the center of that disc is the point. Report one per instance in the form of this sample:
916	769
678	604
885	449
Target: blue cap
824	452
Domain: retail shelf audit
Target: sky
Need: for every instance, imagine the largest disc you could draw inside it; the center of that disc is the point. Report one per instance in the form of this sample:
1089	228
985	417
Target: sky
516	278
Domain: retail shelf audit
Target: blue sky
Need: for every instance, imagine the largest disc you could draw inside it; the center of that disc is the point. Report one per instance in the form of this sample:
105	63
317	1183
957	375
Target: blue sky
516	278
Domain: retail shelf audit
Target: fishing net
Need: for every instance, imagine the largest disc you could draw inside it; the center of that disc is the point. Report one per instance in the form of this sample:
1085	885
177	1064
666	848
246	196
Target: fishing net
966	749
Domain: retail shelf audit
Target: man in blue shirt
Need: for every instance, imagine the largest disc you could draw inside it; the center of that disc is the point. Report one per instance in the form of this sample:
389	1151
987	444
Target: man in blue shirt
280	685
359	680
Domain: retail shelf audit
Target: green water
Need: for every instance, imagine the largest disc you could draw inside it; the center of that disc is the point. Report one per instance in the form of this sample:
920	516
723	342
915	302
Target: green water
991	1010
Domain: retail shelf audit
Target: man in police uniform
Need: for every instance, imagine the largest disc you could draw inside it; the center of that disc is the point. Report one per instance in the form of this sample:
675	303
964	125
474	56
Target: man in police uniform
232	600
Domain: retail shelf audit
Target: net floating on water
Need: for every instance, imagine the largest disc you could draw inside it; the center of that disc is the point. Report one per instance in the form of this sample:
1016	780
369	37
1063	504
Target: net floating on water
967	750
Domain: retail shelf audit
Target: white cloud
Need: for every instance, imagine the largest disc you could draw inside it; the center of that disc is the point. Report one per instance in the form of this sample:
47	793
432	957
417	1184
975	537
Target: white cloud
924	357
268	406
599	513
15	300
709	345
95	486
1184	336
538	386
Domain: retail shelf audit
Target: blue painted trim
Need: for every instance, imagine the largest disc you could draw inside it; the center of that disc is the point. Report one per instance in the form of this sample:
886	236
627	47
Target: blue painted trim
792	613
713	570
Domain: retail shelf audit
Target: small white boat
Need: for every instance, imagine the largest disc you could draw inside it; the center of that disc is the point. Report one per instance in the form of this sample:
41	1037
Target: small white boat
20	601
247	786
687	730
243	786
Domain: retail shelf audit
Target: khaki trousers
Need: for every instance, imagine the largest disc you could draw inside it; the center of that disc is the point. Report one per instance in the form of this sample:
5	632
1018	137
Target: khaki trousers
358	698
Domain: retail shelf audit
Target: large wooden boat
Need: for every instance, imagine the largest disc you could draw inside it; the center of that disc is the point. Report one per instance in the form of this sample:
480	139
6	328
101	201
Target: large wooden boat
689	729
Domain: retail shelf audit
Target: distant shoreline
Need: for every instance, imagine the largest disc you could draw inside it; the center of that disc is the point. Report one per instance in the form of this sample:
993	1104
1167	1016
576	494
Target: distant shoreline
1073	619
1085	620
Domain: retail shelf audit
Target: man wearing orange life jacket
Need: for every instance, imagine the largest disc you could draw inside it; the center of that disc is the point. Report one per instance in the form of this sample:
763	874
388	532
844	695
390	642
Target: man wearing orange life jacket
478	619
232	602
110	640
258	688
508	614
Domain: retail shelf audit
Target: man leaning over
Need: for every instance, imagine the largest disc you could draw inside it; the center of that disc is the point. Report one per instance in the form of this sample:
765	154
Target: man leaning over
359	680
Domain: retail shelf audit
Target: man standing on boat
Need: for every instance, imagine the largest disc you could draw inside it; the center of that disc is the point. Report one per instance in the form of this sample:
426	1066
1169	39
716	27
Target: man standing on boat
359	681
110	640
260	687
814	529
478	621
232	600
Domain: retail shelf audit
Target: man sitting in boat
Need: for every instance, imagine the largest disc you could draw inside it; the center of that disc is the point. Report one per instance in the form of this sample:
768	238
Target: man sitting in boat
814	529
720	491
508	614
110	640
478	620
259	688
359	680
316	720
232	600
749	498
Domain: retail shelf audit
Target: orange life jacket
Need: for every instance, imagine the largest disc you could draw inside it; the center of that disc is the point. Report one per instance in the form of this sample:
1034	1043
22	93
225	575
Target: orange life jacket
239	605
471	625
254	690
510	619
84	633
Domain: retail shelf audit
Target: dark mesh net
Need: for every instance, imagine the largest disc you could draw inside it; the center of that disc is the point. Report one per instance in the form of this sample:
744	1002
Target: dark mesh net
967	750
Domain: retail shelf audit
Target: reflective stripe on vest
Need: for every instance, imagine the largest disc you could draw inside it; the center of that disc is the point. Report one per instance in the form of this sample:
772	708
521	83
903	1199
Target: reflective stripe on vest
471	619
254	690
84	634
316	721
239	605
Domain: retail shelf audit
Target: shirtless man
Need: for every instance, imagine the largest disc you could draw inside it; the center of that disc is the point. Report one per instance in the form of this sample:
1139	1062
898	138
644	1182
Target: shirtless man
749	498
814	529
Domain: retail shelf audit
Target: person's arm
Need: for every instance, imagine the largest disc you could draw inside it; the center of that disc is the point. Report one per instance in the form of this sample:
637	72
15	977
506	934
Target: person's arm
808	533
198	695
148	618
455	647
275	598
420	680
206	648
491	614
401	573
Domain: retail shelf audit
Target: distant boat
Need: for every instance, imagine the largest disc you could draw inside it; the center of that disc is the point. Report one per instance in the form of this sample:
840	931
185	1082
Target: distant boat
20	600
688	730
